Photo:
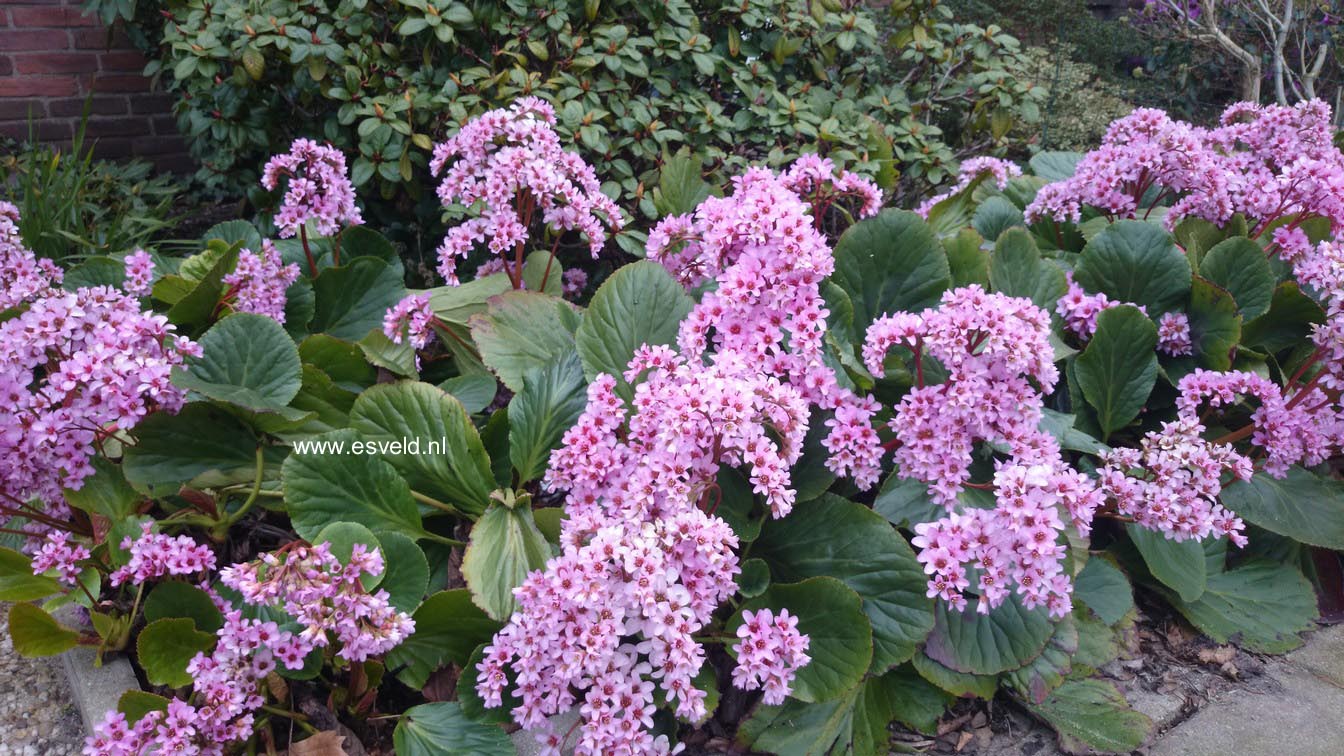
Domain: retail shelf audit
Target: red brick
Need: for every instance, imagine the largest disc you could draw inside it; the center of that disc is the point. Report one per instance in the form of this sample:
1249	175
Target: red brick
52	17
159	145
74	106
112	147
164	125
46	130
34	39
20	109
153	103
6	66
129	61
116	127
39	86
100	39
55	62
109	83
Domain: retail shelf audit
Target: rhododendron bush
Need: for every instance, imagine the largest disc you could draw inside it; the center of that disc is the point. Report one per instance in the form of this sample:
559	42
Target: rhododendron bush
812	467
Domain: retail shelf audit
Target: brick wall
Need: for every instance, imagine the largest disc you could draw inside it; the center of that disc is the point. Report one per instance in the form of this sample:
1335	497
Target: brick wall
52	57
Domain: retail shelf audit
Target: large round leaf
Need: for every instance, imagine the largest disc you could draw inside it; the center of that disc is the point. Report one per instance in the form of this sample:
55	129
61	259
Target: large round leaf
166	646
1006	638
406	571
1215	328
341	360
17	581
1240	266
1179	565
1118	369
1018	271
1136	262
505	546
36	633
841	539
247	360
840	636
1104	589
173	450
1301	505
521	330
426	435
441	729
1094	712
105	492
552	398
639	304
888	263
172	599
1290	318
448	626
1262	605
324	486
352	299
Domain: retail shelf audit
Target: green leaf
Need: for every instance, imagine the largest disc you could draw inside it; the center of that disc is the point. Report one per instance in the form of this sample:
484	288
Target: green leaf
505	546
36	633
521	330
914	701
639	304
193	310
1054	166
995	216
448	626
405	571
1239	265
172	451
1215	326
231	231
1094	712
1046	672
363	241
441	729
17	581
135	704
442	455
681	187
341	537
1061	426
1137	263
888	263
838	538
959	684
967	261
95	271
1290	318
172	599
456	304
352	298
552	398
248	361
342	361
1118	369
322	488
906	502
854	722
1017	270
475	390
1104	589
1006	638
105	492
470	699
1177	564
841	638
166	646
1301	505
397	358
1261	606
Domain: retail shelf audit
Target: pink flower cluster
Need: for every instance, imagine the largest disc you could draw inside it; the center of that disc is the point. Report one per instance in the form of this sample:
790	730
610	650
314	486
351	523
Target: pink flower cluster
139	273
970	173
410	321
22	275
505	165
326	597
154	555
1306	427
769	654
1322	268
317	189
818	182
1173	334
75	368
259	281
1171	482
1080	310
1017	542
1265	162
58	553
227	684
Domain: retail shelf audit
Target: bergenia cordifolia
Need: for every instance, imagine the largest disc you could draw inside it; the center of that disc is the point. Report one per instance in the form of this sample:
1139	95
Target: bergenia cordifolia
1264	162
75	368
62	555
155	555
770	651
228	684
1079	311
317	189
969	173
992	348
507	168
259	282
139	273
1322	268
817	181
644	562
22	275
410	321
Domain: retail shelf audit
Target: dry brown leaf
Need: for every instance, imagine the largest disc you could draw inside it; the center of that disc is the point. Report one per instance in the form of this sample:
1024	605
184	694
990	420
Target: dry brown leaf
325	743
1219	656
964	740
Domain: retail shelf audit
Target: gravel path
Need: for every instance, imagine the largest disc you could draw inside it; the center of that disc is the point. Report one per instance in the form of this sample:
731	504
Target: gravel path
36	716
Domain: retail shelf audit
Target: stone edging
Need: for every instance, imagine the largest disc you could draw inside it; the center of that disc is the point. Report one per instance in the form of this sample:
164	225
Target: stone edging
94	690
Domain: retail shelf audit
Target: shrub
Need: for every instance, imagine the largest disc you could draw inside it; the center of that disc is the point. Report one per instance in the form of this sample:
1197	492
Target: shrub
891	92
811	462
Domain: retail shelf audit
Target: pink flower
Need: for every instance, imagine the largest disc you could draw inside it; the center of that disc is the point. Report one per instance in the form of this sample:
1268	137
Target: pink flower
1173	334
259	282
139	273
154	555
769	654
970	173
317	189
411	321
